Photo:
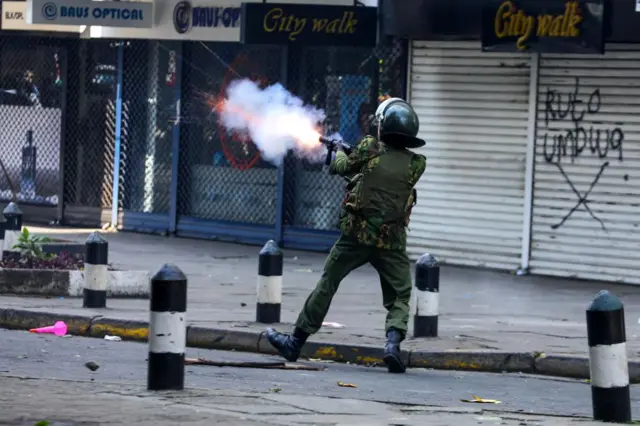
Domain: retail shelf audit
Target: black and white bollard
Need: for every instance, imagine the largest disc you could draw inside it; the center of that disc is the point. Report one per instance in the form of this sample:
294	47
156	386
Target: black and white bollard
96	276
427	293
269	284
12	230
167	329
608	362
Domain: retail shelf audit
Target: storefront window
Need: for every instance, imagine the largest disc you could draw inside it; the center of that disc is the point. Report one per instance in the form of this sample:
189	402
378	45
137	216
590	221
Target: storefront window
222	175
149	103
90	124
31	90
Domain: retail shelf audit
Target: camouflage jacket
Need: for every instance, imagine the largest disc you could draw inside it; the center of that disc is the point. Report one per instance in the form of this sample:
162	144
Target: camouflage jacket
372	231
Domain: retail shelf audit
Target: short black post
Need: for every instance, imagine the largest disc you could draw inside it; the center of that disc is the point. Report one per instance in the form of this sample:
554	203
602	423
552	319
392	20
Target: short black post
269	284
12	230
167	329
96	276
427	283
608	362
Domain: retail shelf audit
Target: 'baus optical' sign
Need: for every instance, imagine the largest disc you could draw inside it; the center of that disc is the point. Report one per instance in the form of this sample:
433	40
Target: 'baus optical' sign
87	12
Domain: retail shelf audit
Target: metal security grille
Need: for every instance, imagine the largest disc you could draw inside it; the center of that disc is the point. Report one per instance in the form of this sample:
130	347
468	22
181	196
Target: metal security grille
148	114
89	142
57	121
348	83
473	109
31	115
222	176
585	204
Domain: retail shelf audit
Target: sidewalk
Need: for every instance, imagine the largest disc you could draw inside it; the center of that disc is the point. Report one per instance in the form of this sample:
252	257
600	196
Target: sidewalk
480	310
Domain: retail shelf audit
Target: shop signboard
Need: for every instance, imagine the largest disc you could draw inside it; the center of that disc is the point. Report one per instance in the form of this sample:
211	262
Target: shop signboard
284	23
14	18
87	12
198	20
547	26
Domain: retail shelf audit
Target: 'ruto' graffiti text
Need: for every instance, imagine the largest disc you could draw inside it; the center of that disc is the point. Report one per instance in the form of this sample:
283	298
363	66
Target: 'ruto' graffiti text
560	141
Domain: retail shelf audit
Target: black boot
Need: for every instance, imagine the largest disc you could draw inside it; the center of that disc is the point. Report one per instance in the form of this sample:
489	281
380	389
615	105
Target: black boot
392	357
288	345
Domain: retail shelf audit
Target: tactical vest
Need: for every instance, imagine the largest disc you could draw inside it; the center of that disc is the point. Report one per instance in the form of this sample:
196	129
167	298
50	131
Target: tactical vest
383	189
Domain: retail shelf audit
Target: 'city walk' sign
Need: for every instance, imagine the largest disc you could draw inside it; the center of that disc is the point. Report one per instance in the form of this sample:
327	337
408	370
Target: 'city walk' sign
547	26
87	12
274	23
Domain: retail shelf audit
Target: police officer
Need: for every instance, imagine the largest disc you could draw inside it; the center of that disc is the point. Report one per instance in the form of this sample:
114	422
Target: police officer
379	197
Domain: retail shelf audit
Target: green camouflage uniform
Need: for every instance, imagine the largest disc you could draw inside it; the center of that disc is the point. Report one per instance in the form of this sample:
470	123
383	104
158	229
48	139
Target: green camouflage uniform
367	235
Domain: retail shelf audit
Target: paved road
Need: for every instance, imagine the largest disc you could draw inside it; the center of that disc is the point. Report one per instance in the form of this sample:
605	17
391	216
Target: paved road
479	309
24	402
31	355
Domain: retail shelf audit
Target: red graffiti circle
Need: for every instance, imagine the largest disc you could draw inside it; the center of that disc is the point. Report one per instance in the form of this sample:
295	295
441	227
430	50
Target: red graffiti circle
238	148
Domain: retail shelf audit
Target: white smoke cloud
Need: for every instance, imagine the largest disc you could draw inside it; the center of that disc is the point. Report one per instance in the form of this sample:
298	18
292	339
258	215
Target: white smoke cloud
270	116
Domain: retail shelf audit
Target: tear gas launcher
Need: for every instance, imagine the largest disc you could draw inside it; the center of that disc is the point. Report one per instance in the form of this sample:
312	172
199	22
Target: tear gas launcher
333	145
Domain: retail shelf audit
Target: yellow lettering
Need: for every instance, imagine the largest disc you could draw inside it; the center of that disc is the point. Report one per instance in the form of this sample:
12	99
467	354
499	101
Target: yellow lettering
556	27
332	28
350	26
519	24
299	25
574	19
277	21
528	22
544	23
285	24
343	22
565	19
272	16
499	24
511	22
319	25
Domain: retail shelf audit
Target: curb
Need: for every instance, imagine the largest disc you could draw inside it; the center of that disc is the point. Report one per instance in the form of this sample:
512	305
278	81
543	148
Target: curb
122	284
575	366
56	283
570	366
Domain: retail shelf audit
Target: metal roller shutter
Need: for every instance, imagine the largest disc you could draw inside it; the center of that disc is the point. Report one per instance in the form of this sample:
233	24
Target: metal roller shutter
586	205
473	109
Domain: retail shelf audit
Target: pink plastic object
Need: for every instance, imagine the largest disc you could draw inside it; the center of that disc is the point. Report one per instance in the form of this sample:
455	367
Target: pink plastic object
59	329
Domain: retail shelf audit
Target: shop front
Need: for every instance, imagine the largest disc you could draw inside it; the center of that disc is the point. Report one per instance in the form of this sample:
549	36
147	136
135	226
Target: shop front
58	99
529	112
180	171
32	89
133	139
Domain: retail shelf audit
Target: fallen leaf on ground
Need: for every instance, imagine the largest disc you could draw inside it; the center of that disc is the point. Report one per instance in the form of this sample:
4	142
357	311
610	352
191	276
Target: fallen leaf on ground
346	385
477	400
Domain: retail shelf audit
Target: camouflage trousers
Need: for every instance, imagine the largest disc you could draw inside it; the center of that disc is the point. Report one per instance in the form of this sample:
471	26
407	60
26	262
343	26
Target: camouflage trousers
394	269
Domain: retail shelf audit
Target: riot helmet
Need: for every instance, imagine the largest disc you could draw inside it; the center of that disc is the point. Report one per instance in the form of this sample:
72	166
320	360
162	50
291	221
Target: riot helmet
397	120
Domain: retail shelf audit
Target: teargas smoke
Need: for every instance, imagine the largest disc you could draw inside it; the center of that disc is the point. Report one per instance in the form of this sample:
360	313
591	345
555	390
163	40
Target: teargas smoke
276	121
